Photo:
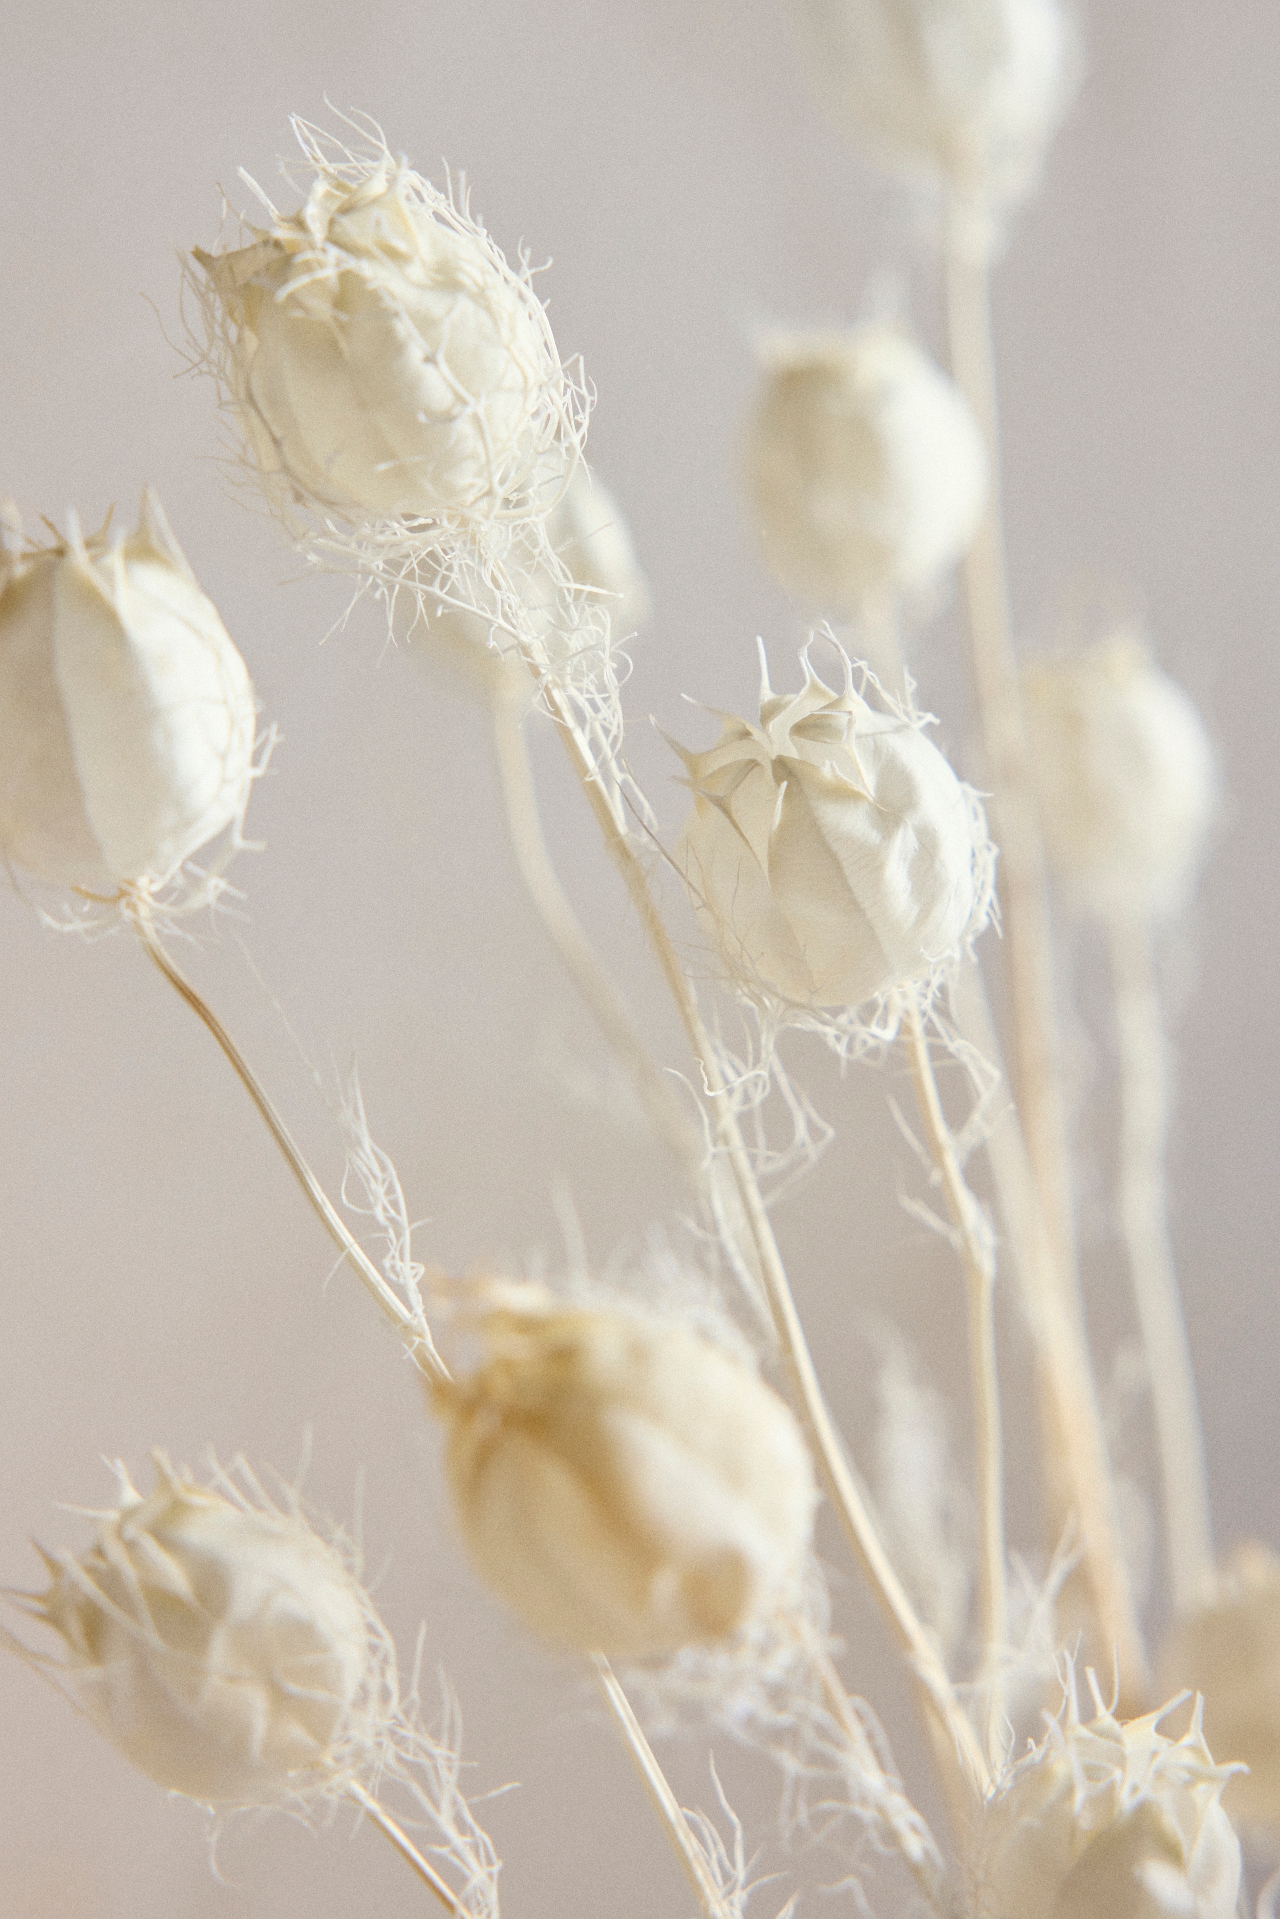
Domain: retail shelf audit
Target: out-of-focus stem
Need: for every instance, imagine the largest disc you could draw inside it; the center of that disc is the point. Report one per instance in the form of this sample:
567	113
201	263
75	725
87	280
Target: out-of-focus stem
1144	1220
960	1753
1023	891
412	1330
978	1255
657	1095
665	1803
1073	1440
1074	1443
406	1848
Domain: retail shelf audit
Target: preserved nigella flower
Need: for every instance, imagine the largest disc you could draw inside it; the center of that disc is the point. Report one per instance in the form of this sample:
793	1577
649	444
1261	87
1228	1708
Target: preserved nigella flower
627	1486
1230	1650
868	470
972	90
832	850
225	1649
1125	777
127	718
1105	1820
384	359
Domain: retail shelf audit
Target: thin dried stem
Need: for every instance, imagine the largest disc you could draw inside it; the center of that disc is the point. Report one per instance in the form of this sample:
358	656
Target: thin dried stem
406	1848
665	1804
978	1255
1075	1450
960	1755
413	1331
1145	1223
657	1095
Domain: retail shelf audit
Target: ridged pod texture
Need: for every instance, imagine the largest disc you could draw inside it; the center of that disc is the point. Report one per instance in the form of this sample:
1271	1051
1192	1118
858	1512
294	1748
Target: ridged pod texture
867	468
831	850
624	1484
1230	1651
383	358
969	90
127	718
222	1650
1125	776
1107	1821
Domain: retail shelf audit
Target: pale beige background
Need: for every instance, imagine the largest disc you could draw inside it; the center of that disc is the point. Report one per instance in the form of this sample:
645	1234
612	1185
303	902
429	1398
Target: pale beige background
161	1280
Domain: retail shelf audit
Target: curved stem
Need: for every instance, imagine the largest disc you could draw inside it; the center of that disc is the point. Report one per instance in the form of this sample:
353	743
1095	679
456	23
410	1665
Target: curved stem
656	1093
665	1804
978	1255
959	1750
1144	1220
412	1330
406	1848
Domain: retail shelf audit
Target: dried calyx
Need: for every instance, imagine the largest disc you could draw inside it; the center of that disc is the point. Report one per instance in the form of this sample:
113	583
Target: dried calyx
220	1643
127	719
626	1485
831	850
1105	1820
868	469
384	360
1125	776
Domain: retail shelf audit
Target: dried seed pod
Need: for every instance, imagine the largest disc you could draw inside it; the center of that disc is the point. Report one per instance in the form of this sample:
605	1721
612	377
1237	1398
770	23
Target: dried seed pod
831	850
868	470
1105	1820
127	718
1229	1650
1125	776
972	90
624	1484
225	1649
384	359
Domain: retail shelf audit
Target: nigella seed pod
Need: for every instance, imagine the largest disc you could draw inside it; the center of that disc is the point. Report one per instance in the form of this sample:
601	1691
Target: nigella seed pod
831	850
868	470
1125	776
1105	1820
624	1484
127	718
1229	1649
222	1647
971	91
384	359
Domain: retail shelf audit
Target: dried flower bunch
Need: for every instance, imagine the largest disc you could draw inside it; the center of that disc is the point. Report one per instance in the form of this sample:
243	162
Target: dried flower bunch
637	1478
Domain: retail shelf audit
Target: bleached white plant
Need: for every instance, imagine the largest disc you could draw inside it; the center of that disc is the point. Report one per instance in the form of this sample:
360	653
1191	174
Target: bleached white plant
868	471
831	850
228	1649
628	1486
127	718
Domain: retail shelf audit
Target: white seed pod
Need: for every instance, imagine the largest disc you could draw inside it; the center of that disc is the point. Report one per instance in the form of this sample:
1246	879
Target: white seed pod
831	850
591	541
867	468
1105	1820
1125	777
968	90
225	1649
1230	1651
624	1484
384	360
127	718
